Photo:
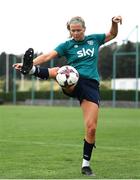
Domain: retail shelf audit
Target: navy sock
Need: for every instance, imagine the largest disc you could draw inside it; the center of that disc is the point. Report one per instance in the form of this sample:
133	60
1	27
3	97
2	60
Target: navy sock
87	150
42	73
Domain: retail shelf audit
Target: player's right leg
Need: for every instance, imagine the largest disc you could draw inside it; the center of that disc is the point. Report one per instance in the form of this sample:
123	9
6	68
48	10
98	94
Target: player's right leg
27	61
44	73
28	68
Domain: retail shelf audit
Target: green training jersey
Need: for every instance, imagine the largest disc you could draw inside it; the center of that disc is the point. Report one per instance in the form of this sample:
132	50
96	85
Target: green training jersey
83	55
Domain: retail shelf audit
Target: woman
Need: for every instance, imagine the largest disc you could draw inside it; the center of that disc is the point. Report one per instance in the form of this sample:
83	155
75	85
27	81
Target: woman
81	52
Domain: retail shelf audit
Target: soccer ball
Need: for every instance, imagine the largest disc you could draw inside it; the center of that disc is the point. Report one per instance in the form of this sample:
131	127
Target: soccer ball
67	76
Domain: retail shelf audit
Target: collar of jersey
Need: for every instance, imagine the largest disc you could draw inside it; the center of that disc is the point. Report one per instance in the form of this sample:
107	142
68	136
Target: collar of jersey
80	42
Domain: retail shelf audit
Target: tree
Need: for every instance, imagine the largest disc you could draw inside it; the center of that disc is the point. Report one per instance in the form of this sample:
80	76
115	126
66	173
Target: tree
105	61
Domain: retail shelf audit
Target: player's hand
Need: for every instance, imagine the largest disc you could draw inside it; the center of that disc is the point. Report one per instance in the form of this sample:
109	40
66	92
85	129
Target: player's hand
17	66
117	19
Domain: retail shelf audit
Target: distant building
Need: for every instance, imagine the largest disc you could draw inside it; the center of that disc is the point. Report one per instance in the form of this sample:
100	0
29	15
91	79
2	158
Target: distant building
125	84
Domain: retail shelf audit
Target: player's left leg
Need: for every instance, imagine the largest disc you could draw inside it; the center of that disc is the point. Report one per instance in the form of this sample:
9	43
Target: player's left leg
90	113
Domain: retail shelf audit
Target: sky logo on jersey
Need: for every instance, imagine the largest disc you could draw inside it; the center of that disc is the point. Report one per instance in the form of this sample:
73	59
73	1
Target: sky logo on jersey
85	52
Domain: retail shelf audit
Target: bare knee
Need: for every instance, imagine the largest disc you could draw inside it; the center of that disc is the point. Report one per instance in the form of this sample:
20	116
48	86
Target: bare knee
91	131
53	72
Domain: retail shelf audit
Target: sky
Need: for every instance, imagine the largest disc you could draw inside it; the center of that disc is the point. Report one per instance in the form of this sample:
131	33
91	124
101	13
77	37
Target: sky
41	24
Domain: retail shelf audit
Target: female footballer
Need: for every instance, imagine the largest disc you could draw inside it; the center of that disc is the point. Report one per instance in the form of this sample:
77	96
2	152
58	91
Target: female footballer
81	52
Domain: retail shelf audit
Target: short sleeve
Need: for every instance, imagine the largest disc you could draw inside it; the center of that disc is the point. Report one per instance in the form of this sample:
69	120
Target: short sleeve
60	49
100	38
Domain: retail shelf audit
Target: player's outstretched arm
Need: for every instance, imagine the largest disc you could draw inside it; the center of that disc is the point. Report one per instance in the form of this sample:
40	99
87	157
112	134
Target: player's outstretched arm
114	28
17	66
38	60
45	57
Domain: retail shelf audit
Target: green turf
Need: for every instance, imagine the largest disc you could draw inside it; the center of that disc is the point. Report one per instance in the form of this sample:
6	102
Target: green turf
39	142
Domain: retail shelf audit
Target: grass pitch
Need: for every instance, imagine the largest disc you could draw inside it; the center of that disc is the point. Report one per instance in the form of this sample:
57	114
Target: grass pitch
38	142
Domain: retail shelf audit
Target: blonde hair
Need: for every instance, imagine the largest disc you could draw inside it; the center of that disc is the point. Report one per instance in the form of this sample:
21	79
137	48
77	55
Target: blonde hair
76	20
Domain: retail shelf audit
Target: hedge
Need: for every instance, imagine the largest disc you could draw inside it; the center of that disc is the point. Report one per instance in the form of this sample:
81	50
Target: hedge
105	95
